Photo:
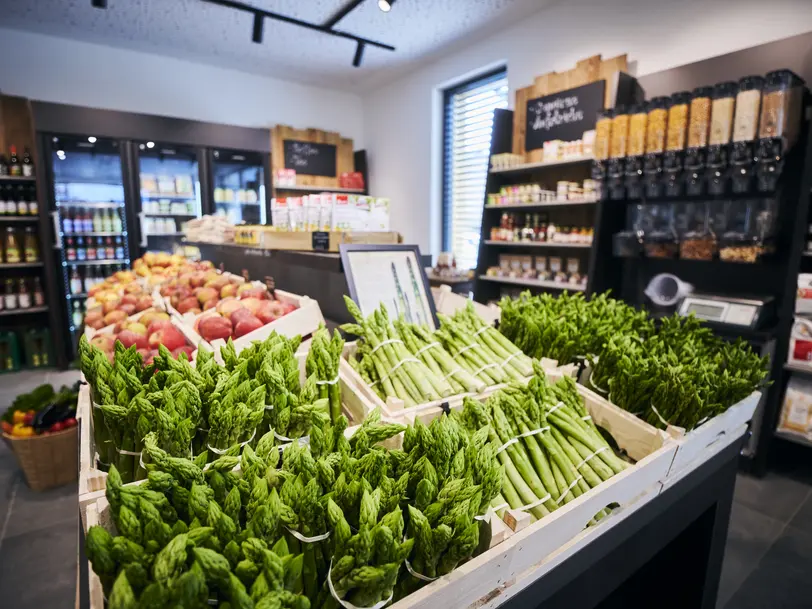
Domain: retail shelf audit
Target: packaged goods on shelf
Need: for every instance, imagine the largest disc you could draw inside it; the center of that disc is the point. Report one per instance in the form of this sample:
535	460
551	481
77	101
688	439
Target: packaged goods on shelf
352	179
536	229
330	211
209	229
284	177
796	411
803	298
506	160
800	342
536	193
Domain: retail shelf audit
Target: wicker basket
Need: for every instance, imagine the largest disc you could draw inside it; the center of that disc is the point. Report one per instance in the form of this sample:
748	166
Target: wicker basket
47	461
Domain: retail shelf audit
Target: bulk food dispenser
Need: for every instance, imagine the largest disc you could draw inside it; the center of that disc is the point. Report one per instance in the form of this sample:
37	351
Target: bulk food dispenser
603	136
655	146
721	133
745	130
676	137
779	125
617	154
635	151
698	129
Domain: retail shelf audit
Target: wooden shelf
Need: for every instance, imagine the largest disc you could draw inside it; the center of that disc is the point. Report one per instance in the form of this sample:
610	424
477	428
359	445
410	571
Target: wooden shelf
543	164
535	283
18	311
20	265
554	203
585	246
357	191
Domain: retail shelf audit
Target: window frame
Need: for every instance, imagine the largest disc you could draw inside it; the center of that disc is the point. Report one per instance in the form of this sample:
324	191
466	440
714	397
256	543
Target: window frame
448	95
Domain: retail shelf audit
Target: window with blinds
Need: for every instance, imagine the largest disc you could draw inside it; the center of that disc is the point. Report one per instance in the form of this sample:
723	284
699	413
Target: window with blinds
468	119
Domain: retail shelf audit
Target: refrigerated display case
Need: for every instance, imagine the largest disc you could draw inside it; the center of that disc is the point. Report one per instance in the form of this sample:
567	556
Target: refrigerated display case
170	193
238	182
89	218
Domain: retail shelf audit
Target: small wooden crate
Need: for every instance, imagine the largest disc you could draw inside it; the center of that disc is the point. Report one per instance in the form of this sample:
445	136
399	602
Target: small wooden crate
448	303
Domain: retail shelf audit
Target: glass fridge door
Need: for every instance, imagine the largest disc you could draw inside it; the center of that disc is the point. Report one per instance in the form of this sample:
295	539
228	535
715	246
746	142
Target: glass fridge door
89	219
170	194
239	186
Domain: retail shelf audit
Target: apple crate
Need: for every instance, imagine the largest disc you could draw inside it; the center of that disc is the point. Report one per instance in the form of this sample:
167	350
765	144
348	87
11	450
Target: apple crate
531	551
394	408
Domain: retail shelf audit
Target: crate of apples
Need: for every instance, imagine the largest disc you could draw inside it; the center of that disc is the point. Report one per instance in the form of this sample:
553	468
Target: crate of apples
147	331
236	316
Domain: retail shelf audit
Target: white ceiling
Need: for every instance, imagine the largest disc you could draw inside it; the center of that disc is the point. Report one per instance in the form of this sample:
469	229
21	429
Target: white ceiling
210	34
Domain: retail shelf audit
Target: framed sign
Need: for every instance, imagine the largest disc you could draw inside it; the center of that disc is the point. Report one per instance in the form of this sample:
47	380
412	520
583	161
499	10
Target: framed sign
390	275
564	115
310	159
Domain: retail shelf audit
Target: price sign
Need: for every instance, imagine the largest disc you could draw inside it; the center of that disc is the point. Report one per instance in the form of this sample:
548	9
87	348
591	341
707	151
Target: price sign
563	116
307	158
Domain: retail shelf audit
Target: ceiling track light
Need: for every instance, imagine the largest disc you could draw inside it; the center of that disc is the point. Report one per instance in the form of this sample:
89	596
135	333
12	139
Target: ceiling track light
98	3
359	55
259	23
385	5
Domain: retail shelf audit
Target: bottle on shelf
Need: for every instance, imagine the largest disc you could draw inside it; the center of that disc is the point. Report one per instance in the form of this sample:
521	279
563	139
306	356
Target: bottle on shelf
90	250
31	245
90	280
28	164
119	249
75	281
10	298
115	221
12	247
3	165
70	250
67	221
39	295
22	204
87	222
33	204
14	167
23	295
109	250
98	224
81	253
4	201
107	221
77	315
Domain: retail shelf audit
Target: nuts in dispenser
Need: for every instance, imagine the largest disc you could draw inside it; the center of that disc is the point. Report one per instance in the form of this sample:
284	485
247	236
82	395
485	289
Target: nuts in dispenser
697	248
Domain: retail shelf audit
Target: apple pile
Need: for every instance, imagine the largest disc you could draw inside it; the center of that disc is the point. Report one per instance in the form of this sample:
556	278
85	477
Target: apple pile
234	317
116	301
151	330
157	268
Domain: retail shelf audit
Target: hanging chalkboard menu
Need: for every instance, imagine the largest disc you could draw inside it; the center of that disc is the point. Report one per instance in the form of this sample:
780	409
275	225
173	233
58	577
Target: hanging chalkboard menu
308	158
564	115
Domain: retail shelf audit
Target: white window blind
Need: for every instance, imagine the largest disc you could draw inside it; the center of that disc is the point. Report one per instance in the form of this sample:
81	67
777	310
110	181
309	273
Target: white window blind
467	133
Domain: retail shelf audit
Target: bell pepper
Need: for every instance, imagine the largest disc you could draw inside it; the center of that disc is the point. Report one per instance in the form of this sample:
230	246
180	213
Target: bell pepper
18	417
22	431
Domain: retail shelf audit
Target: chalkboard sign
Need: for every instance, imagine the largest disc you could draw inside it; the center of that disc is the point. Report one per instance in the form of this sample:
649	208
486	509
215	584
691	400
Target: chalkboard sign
321	241
310	159
564	115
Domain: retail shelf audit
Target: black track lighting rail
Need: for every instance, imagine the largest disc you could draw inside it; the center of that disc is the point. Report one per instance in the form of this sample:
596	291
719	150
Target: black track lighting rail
325	28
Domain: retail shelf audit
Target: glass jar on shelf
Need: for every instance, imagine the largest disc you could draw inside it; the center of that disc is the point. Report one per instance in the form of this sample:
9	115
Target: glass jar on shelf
750	231
697	240
661	240
656	125
617	154
721	132
699	117
779	125
677	121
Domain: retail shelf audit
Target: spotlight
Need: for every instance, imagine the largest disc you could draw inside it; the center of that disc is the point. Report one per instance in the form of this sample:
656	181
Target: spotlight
91	139
385	5
150	144
60	153
98	3
359	54
259	22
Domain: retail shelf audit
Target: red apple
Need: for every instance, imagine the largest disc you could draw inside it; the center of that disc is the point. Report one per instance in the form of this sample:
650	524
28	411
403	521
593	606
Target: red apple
169	337
239	315
158	324
114	317
129	338
252	304
186	304
228	305
212	327
137	327
187	349
129	299
144	303
266	312
228	290
110	305
129	309
255	292
103	342
210	304
246	325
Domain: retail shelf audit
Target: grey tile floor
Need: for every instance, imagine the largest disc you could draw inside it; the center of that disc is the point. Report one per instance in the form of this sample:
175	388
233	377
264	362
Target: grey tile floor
768	558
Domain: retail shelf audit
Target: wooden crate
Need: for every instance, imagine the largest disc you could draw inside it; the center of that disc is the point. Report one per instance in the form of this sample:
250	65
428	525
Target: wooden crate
345	159
585	71
523	554
302	241
448	303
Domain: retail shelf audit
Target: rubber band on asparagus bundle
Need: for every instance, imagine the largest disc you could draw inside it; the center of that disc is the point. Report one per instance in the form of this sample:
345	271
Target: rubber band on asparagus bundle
659	416
501	506
304	539
398	365
481	330
427	347
347	604
485	367
464	349
303	441
506	361
506	445
388	341
222	451
419	576
568	489
333	382
533	432
536	503
595	386
452	373
586	417
588	458
554	408
487	515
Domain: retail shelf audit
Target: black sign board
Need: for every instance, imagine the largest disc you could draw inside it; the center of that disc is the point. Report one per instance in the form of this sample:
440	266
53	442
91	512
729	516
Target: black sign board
321	240
310	159
564	115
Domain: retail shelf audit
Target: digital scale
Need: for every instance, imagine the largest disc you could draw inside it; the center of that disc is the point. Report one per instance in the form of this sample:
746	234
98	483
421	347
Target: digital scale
742	312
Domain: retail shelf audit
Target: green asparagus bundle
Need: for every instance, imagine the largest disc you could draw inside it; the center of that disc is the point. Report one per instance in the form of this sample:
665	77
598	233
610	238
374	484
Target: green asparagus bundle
549	447
410	362
322	363
675	372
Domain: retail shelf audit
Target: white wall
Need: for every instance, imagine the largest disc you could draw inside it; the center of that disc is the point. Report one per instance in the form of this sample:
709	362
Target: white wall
402	122
67	71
